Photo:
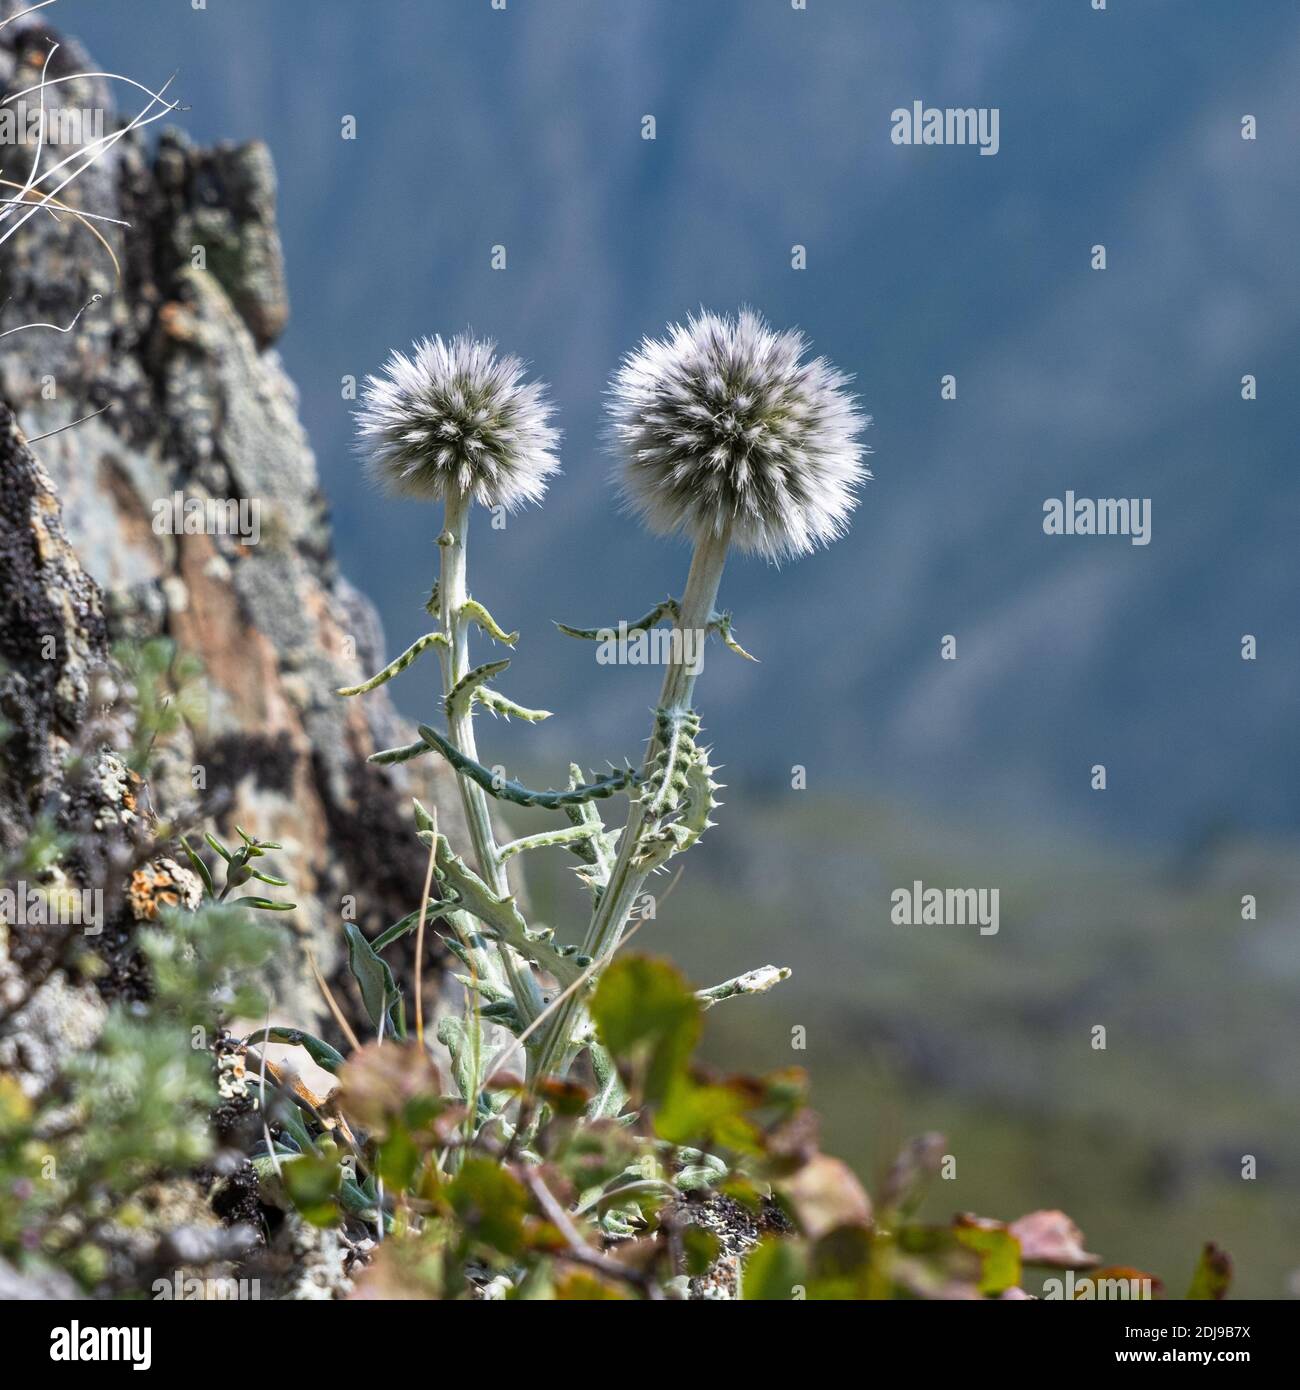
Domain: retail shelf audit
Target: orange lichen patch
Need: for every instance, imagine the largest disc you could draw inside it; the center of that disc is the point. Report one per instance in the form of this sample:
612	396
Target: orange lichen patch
149	891
158	885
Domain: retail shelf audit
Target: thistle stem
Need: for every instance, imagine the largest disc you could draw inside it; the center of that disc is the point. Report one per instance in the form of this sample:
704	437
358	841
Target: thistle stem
625	879
453	596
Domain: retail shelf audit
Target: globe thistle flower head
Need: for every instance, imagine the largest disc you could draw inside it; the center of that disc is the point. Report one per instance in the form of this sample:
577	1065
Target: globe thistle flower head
455	418
726	421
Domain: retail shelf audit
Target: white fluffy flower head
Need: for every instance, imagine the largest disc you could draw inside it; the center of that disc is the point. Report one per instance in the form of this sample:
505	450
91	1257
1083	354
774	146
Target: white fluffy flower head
455	417
726	422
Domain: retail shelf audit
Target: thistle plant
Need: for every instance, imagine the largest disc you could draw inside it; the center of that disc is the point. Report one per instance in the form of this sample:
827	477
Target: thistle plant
482	1184
728	433
455	423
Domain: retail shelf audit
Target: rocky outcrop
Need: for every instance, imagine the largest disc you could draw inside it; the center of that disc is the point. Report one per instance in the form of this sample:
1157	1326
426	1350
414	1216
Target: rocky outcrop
174	347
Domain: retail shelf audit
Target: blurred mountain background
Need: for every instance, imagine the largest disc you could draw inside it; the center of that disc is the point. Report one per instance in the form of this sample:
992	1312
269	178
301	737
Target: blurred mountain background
477	127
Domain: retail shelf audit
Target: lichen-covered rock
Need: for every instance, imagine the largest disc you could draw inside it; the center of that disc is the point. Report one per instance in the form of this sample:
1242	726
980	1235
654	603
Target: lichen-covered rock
177	353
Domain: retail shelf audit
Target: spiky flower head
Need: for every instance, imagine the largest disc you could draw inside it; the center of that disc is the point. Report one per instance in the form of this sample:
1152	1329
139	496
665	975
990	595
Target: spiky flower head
455	417
727	422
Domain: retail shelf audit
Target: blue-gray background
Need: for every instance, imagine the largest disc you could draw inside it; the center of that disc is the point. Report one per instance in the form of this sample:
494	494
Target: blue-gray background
478	127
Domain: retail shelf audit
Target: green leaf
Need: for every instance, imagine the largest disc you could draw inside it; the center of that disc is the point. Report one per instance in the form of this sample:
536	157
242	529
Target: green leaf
218	846
645	1006
462	694
700	1248
396	666
379	990
774	1271
475	611
1213	1275
267	905
199	867
320	1052
491	1204
692	1113
669	608
503	705
999	1253
408	924
502	916
312	1181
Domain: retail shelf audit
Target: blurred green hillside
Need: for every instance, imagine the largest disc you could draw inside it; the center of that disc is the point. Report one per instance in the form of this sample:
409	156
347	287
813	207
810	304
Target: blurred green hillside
989	1038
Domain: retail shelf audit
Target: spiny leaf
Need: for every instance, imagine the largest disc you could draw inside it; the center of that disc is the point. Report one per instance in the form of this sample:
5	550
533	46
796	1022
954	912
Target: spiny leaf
475	611
408	924
462	693
665	784
597	850
669	608
721	624
502	917
394	667
691	821
546	838
402	754
619	780
499	704
462	1040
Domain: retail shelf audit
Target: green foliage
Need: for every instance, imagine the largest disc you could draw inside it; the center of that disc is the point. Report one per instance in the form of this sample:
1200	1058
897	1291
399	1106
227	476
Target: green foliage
239	869
374	978
644	1009
166	690
136	1106
1213	1275
583	1158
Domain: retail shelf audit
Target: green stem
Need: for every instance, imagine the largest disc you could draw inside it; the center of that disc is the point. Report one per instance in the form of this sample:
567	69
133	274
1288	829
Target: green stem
626	880
453	598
